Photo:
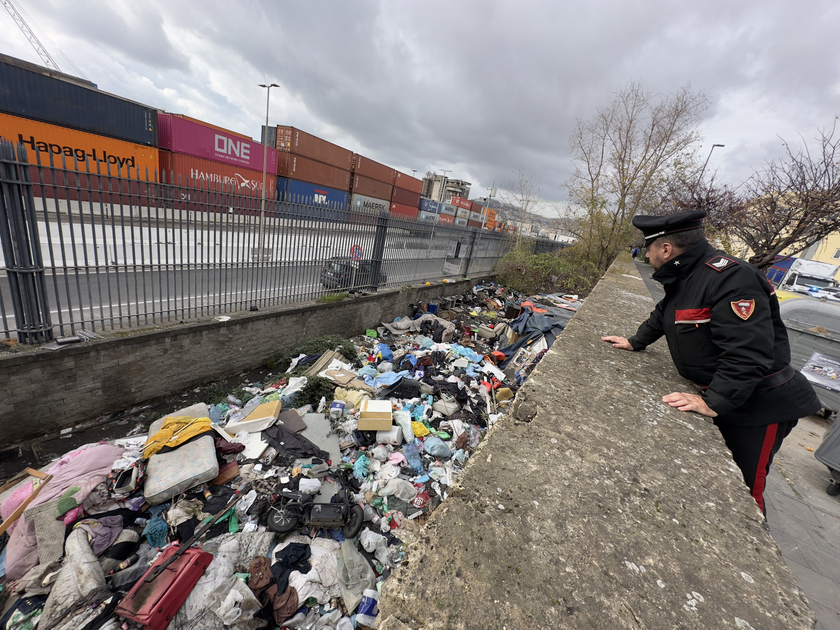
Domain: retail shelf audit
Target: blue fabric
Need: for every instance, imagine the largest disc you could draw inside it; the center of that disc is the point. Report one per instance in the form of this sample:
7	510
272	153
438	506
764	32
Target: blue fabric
383	380
466	353
385	351
368	370
360	467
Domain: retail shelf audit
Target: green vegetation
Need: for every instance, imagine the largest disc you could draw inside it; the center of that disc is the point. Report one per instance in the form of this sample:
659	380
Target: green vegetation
331	297
566	271
319	345
316	387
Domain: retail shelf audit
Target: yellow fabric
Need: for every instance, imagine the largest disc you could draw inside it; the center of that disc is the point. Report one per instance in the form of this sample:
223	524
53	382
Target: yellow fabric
175	431
419	429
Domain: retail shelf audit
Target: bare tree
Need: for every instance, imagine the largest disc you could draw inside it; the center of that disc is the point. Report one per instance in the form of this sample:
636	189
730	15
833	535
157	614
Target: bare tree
521	193
622	157
790	204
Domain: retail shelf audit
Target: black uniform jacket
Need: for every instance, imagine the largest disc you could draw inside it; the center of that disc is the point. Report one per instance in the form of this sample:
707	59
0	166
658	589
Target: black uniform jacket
721	319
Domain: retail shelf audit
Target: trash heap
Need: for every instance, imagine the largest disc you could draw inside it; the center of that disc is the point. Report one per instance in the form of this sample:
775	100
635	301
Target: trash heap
287	506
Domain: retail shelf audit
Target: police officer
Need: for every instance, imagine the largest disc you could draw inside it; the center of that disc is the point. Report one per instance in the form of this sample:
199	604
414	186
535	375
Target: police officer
720	316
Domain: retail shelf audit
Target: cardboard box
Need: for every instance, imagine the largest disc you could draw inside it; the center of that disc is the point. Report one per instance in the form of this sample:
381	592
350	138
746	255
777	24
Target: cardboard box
261	418
375	415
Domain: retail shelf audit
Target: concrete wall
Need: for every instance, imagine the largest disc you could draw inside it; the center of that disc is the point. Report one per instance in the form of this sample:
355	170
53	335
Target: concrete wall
595	505
45	391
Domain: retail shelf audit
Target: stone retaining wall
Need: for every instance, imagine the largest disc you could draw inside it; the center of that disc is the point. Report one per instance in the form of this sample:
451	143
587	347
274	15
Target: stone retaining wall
595	505
45	391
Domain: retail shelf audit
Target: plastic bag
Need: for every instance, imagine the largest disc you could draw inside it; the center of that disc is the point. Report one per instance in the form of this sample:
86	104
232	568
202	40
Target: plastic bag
400	488
412	456
403	419
232	601
436	447
309	486
354	575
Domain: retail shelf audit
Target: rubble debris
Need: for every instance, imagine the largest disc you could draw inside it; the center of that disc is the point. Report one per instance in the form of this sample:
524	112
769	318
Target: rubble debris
288	502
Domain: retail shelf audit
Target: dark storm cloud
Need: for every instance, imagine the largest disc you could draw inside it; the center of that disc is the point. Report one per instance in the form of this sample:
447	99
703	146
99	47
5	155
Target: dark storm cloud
474	86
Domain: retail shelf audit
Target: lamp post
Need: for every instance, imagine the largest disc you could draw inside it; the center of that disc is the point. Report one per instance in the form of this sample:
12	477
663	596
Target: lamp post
703	170
265	168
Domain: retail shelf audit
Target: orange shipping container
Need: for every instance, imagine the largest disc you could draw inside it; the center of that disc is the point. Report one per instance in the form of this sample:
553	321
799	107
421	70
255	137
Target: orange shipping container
122	158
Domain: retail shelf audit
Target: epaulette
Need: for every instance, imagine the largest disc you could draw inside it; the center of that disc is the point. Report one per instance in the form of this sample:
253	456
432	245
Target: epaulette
721	263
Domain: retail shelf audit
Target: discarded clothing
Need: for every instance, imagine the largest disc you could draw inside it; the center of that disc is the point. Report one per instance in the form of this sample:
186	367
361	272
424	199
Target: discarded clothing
175	431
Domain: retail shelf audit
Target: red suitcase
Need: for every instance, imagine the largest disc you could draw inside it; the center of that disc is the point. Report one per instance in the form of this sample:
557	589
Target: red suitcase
155	603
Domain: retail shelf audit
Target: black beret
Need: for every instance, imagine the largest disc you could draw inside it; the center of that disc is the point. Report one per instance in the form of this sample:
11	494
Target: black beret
653	227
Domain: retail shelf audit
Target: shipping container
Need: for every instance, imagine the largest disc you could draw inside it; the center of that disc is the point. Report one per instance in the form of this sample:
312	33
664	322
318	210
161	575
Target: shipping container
290	140
475	224
476	216
490	214
207	124
369	204
314	194
371	187
431	217
33	92
462	213
476	207
460	202
446	218
191	171
405	197
407	182
182	135
94	153
448	209
461	221
372	170
429	205
403	212
305	170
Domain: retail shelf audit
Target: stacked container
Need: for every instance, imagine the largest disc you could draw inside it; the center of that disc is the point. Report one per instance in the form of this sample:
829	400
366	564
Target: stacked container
405	198
447	213
311	170
371	185
429	210
476	218
211	156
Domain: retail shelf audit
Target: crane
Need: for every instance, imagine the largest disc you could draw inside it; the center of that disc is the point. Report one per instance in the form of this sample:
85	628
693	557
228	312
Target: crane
33	39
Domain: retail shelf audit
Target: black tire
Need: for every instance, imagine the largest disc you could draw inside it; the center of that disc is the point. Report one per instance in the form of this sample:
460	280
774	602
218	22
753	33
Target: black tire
280	520
354	522
833	489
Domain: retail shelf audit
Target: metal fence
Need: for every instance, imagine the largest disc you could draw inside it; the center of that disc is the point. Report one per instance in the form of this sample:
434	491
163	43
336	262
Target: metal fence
85	251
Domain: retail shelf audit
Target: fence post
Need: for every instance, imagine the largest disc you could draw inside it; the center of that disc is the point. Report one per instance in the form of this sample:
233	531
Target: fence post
470	250
378	254
22	247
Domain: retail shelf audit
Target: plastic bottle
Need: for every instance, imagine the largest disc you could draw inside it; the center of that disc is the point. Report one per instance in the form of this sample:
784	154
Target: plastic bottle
368	608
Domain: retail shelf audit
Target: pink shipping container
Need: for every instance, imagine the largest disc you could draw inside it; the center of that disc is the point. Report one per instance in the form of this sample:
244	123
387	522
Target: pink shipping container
186	136
460	202
406	197
407	182
291	140
371	187
372	170
306	170
404	212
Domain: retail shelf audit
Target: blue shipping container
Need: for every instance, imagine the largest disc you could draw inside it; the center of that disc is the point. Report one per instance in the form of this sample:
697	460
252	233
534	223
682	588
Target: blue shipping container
312	200
428	205
28	91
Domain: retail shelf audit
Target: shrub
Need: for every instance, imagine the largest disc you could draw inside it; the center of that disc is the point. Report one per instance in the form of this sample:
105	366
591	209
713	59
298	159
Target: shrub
556	272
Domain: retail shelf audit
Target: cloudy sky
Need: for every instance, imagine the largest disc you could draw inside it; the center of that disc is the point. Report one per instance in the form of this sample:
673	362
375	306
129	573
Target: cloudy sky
477	87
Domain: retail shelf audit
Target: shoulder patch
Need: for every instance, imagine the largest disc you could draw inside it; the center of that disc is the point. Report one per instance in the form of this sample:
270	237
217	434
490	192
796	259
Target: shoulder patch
720	263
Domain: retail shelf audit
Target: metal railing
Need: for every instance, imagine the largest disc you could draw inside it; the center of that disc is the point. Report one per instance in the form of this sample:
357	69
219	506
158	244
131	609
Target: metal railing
84	251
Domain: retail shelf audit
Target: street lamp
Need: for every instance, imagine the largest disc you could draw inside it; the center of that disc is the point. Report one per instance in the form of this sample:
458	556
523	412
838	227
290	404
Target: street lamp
703	170
265	167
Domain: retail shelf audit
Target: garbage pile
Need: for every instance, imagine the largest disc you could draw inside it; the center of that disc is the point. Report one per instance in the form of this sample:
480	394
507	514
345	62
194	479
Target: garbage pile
286	507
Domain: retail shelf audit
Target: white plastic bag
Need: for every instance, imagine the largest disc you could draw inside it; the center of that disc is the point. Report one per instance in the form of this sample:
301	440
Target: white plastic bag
354	575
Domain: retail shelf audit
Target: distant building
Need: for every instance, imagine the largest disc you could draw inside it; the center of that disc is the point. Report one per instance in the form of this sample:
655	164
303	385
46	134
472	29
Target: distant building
440	188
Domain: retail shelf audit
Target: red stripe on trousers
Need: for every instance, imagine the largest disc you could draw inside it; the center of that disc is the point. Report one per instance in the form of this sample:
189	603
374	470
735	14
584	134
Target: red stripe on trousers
761	469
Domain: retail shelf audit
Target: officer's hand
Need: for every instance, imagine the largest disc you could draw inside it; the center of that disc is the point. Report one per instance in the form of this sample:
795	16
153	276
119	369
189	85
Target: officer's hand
618	342
689	402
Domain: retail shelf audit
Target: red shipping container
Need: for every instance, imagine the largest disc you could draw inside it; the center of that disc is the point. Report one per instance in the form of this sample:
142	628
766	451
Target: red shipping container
406	197
475	224
407	182
476	207
373	170
460	202
404	212
183	135
372	188
291	140
307	170
446	218
188	170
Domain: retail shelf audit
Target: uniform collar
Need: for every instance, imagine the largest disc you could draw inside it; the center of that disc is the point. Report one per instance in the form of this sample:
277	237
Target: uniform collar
681	265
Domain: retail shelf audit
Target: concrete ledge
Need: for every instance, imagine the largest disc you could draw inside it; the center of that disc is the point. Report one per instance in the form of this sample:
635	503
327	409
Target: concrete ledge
595	505
46	391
